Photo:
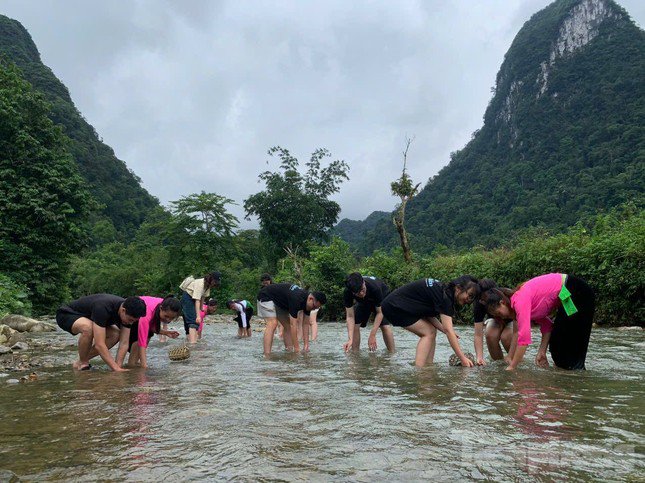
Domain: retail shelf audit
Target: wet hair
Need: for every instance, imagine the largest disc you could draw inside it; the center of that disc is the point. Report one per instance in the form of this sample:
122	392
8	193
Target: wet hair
320	297
266	277
212	303
354	282
230	302
134	307
465	282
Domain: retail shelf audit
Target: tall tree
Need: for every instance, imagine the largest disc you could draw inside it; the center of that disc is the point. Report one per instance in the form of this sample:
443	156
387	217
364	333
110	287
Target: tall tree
295	208
44	202
405	190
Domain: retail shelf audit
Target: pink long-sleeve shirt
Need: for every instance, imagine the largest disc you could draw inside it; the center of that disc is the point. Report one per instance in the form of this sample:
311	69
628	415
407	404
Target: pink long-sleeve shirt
534	301
144	322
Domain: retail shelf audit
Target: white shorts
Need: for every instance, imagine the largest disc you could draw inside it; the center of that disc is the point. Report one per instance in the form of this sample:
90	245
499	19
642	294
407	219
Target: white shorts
269	310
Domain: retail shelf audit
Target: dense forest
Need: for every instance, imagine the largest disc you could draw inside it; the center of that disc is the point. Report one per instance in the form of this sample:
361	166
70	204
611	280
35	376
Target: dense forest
563	138
562	141
122	203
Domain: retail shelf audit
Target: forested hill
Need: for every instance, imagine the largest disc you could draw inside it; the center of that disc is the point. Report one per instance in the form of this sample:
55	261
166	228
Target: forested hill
563	136
125	202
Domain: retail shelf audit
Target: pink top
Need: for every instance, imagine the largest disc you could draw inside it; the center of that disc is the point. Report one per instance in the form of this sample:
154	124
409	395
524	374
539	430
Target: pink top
202	314
144	322
534	301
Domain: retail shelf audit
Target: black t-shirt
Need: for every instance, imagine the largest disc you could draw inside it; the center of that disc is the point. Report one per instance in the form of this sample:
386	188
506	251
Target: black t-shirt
287	296
424	298
479	312
376	291
102	308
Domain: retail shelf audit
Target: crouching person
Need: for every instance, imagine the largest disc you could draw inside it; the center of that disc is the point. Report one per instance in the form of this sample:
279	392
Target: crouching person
100	321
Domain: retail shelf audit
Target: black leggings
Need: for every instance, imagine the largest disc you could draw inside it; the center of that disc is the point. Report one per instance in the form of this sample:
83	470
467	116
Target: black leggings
570	334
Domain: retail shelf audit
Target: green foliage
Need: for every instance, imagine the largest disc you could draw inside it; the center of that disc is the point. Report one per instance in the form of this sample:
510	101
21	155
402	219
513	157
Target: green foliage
14	298
542	159
45	203
120	197
295	208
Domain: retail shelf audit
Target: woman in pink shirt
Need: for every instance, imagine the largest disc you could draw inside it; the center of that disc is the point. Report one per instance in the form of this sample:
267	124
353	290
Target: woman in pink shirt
207	309
158	311
567	336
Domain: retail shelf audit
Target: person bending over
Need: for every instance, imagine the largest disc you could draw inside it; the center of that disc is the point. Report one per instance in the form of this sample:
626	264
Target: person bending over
100	320
496	331
192	299
567	336
287	303
244	311
158	311
368	293
426	305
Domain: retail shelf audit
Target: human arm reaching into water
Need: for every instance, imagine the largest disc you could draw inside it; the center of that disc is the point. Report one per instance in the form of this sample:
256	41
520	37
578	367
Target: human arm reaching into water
371	341
351	323
446	322
306	322
479	343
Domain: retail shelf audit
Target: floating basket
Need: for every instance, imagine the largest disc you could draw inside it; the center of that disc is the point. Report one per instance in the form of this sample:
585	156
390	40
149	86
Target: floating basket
455	361
179	353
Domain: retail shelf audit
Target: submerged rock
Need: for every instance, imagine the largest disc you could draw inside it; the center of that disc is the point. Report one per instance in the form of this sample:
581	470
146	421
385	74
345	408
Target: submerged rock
12	381
455	361
4	349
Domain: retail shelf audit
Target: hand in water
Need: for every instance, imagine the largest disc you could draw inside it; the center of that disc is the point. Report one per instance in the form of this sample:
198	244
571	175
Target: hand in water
305	348
481	361
541	360
348	345
121	369
507	359
173	334
466	362
371	342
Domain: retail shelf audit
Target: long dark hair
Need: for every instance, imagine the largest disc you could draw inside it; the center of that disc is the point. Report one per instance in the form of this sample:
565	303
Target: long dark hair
168	303
211	280
493	297
465	282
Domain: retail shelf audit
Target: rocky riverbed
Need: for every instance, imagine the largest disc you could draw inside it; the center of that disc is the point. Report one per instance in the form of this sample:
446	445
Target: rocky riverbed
28	345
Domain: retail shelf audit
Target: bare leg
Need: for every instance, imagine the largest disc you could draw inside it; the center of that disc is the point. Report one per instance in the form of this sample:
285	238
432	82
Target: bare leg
248	331
388	337
133	360
427	337
192	335
507	337
83	327
240	332
286	335
356	341
280	331
269	332
493	335
163	338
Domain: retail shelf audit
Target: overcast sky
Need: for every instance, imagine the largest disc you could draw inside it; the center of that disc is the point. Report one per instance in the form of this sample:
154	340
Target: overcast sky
192	93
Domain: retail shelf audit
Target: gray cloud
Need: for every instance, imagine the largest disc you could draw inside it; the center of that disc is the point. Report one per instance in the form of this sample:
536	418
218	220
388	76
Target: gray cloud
191	94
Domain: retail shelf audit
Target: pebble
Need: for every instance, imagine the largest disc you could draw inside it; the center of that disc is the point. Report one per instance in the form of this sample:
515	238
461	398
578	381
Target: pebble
12	381
20	346
4	349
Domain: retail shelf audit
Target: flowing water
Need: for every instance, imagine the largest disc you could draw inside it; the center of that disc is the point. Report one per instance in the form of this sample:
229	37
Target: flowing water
227	413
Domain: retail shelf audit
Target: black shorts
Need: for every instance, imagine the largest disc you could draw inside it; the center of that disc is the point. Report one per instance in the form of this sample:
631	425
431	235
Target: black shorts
249	314
65	318
398	317
363	312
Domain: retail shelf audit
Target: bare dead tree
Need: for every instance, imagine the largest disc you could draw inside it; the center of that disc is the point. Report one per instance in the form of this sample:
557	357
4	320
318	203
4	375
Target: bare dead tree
405	190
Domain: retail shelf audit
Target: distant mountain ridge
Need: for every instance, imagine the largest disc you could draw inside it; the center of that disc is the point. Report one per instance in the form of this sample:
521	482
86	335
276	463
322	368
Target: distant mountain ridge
119	190
563	137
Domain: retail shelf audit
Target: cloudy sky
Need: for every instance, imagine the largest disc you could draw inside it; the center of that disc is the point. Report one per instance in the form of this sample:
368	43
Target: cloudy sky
192	93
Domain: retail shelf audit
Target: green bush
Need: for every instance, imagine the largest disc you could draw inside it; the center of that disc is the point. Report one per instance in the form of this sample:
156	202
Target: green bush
14	298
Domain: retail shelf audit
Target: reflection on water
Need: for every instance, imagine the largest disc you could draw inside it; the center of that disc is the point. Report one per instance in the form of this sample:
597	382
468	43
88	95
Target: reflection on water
229	413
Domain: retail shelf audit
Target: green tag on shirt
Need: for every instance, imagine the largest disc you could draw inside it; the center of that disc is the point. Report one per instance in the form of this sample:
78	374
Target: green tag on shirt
565	296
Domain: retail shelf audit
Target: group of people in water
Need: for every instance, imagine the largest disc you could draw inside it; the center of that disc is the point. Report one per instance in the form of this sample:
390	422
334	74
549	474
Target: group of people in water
562	305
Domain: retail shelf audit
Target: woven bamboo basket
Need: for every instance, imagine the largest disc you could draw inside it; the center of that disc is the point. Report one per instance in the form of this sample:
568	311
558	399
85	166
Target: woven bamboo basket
455	361
179	353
